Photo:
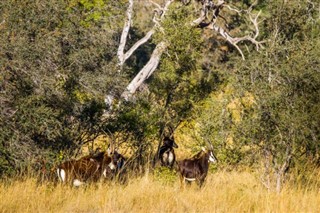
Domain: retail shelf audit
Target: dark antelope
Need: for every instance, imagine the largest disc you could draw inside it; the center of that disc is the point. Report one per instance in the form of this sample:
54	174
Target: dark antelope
166	152
119	162
89	168
196	168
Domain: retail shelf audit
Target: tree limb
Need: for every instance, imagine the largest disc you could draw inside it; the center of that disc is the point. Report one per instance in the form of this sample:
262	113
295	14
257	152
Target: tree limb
158	17
125	33
208	6
137	45
146	71
153	62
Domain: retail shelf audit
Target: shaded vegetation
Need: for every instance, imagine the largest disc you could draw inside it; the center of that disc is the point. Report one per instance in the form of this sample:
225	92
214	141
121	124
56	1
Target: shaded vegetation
56	69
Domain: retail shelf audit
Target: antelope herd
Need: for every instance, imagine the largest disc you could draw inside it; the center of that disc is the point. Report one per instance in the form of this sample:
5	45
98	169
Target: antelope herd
106	165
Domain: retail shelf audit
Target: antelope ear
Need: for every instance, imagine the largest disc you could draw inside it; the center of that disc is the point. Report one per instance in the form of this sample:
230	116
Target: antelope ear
203	149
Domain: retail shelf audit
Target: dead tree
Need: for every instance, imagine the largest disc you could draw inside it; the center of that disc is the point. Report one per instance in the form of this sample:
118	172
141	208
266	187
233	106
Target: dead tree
210	12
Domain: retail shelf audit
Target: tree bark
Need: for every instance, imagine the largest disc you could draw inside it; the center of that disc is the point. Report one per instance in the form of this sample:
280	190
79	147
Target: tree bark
125	32
145	72
123	56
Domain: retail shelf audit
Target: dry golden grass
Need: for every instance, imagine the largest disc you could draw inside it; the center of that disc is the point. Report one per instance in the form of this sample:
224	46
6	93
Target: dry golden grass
223	192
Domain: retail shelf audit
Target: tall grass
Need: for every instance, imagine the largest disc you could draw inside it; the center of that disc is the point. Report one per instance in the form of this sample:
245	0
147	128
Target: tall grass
222	192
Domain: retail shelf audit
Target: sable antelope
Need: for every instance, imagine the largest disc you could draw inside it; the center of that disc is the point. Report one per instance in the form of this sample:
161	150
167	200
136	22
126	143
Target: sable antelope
196	168
166	152
119	162
119	159
88	168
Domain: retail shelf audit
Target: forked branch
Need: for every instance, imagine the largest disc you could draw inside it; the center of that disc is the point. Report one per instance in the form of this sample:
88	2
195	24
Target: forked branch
159	14
151	65
210	22
146	71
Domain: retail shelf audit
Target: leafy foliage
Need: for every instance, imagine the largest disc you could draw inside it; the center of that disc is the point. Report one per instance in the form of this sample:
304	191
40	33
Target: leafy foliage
54	73
271	113
56	69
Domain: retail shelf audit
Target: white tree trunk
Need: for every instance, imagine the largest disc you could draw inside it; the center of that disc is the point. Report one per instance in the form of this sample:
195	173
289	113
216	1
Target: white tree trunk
154	60
125	32
146	71
158	17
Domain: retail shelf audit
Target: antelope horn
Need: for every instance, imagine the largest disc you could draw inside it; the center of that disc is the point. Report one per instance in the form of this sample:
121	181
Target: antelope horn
111	145
161	130
210	143
178	124
170	131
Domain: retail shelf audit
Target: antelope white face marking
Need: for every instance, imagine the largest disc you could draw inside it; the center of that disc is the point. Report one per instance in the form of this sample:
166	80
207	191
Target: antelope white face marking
62	175
212	158
170	158
77	182
112	166
203	149
105	173
189	179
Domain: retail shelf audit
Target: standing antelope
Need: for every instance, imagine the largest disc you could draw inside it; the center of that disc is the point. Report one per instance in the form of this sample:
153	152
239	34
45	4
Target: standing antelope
88	168
196	168
166	152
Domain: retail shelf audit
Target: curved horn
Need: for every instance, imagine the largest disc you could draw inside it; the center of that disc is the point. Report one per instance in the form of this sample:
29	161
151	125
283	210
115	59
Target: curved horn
112	144
210	144
174	129
171	131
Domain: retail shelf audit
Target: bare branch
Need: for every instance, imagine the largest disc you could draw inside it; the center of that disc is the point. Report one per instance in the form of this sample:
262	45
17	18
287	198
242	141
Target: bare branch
153	62
209	7
146	71
227	36
202	16
125	33
233	9
137	45
235	40
158	17
156	4
255	23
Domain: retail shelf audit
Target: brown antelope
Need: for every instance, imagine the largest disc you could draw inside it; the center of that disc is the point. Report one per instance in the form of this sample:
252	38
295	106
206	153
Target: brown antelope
85	169
166	152
91	167
119	162
196	168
